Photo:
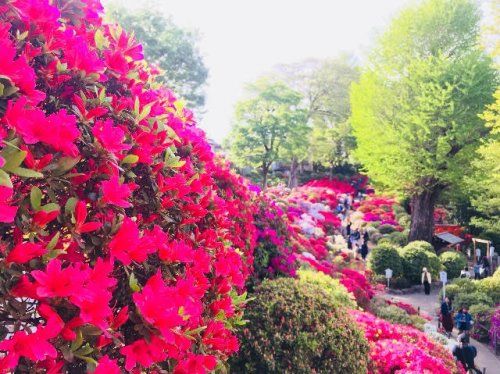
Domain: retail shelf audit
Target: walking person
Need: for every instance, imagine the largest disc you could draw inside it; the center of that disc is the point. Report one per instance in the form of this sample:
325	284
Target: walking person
354	238
447	317
364	250
477	271
366	237
426	281
465	353
348	229
463	320
486	266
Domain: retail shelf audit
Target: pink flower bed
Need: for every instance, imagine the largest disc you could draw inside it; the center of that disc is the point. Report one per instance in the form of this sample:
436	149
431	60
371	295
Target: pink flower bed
403	349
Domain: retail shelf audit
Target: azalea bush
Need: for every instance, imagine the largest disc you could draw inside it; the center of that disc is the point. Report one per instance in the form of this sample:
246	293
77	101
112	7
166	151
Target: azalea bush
124	244
398	348
296	327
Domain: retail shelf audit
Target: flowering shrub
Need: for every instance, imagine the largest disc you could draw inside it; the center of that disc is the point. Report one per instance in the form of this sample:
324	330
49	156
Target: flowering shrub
357	283
124	245
403	349
296	327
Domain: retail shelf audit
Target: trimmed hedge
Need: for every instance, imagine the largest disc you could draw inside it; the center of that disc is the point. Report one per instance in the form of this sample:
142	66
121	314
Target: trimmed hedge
294	327
453	262
416	255
385	256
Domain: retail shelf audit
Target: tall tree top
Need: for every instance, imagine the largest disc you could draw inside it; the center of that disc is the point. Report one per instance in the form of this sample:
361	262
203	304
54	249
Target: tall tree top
171	48
430	28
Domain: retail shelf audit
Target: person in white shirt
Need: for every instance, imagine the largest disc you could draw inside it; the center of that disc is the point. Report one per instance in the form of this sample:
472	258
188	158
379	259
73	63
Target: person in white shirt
478	254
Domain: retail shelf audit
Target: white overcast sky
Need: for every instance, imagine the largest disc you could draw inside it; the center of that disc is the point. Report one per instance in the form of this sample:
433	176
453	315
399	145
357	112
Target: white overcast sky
242	39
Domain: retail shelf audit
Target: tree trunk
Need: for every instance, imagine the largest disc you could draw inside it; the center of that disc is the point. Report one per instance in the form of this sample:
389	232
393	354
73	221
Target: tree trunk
422	214
265	172
292	180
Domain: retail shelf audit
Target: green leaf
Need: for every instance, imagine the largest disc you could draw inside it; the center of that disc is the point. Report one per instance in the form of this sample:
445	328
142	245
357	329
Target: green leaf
13	158
145	112
70	205
50	207
84	351
36	198
5	179
77	343
133	284
53	242
130	159
65	164
26	173
100	40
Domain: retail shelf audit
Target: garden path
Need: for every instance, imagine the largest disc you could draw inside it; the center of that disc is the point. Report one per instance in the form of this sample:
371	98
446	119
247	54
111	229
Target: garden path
428	303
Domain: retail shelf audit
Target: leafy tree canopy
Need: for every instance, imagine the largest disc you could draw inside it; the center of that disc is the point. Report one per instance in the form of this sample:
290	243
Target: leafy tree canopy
269	126
171	48
415	109
325	86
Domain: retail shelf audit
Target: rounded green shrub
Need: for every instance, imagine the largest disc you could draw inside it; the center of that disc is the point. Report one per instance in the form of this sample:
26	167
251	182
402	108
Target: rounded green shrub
491	287
416	255
453	262
386	229
385	256
294	327
331	286
398	238
466	300
465	285
452	290
421	244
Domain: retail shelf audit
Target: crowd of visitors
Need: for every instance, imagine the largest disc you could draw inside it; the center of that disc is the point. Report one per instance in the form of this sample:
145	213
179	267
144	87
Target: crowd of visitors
357	240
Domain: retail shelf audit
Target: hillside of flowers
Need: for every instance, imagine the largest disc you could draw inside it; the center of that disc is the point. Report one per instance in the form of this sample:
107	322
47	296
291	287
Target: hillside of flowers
299	229
124	244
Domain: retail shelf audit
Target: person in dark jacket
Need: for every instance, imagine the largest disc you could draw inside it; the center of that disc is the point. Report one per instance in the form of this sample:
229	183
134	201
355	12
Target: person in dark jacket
366	237
364	250
463	321
465	353
447	316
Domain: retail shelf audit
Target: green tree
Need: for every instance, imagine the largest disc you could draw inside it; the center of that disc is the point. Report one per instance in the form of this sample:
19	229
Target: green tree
173	49
485	181
325	86
415	109
269	126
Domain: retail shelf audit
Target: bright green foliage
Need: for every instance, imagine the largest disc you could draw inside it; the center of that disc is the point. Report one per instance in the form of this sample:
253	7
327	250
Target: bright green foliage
415	109
466	300
170	47
491	287
453	263
270	126
485	182
416	255
420	244
295	327
331	286
383	257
